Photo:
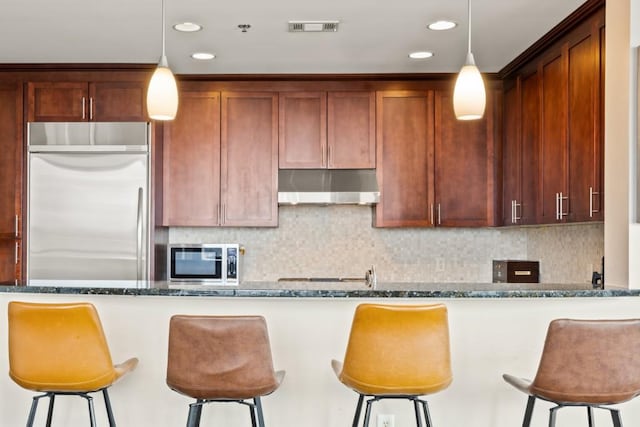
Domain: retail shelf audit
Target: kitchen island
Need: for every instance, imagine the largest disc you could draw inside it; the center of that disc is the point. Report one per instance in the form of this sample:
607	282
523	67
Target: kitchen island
494	328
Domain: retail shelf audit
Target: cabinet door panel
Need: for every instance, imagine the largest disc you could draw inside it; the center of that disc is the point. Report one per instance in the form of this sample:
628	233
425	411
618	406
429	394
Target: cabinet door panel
303	130
511	155
10	159
464	157
530	149
191	185
351	130
8	265
553	166
404	145
249	159
58	101
583	139
118	101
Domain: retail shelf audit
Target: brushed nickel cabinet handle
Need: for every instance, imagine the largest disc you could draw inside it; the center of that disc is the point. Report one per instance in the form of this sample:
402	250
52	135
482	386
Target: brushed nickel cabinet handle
439	218
431	214
91	108
591	209
17	232
517	218
84	104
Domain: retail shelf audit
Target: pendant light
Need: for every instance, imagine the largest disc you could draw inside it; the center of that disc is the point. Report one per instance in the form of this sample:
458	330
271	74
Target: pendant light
469	97
162	94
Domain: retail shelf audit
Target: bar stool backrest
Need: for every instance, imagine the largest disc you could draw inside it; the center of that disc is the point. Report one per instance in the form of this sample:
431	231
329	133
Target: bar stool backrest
590	361
58	347
404	347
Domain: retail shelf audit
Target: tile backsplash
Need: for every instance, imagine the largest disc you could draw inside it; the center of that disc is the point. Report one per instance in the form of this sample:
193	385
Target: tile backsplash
339	241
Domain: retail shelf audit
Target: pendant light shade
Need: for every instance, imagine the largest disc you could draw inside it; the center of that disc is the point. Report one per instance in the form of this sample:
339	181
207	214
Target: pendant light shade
469	96
162	94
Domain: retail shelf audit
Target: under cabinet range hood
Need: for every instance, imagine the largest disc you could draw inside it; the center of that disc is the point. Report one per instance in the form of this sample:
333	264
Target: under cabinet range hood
327	186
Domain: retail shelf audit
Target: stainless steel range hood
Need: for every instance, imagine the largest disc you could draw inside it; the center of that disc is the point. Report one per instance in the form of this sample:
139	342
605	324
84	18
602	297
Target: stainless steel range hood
327	186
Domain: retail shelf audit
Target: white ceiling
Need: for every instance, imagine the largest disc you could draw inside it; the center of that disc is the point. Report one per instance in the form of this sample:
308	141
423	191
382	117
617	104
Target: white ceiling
375	36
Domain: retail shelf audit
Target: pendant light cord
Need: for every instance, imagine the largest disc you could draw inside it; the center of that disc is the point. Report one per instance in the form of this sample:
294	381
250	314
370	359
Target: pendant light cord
163	30
469	28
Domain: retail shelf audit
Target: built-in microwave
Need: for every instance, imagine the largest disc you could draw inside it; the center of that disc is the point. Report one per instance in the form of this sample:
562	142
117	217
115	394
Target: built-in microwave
207	262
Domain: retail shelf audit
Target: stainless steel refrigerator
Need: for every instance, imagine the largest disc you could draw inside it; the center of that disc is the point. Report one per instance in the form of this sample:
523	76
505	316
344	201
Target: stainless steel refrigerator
88	204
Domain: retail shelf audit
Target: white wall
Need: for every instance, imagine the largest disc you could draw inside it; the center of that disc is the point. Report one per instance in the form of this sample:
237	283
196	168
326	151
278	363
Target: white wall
618	180
489	337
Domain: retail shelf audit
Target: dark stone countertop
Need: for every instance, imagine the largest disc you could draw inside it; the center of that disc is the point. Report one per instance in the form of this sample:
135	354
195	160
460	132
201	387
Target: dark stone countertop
330	290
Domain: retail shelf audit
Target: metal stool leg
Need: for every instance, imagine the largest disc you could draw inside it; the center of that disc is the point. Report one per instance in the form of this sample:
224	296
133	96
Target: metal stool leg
416	408
259	411
615	416
367	414
252	411
92	414
107	404
552	416
52	400
356	417
427	416
195	410
32	411
528	412
590	415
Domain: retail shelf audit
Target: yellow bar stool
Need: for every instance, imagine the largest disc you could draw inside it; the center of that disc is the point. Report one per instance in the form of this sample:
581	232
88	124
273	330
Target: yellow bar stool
60	349
221	359
589	363
396	352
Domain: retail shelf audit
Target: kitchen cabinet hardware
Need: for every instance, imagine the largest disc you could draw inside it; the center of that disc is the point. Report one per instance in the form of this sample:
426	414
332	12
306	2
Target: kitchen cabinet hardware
591	209
514	211
17	231
560	213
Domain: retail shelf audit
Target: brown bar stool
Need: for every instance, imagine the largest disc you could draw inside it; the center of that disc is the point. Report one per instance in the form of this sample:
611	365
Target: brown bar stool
60	349
396	352
590	363
221	359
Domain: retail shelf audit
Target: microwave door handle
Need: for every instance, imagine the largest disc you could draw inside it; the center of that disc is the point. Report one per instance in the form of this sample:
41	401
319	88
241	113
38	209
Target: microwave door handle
139	239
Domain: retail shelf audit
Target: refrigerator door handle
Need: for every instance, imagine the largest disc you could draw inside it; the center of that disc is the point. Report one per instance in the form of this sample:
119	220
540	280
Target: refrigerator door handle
139	237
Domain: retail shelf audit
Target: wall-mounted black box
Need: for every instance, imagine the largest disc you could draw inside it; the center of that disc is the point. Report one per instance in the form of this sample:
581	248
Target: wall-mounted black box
511	271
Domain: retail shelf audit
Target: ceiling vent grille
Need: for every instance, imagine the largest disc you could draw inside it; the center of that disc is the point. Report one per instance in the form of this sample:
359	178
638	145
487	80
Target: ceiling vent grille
313	26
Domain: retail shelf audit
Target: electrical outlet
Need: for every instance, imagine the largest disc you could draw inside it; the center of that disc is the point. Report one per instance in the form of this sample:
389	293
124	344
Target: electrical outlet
386	420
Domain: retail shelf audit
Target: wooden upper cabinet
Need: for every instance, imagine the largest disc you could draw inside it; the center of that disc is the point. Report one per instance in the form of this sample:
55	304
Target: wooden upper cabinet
585	141
464	166
334	130
303	130
553	197
86	101
191	155
249	159
404	145
351	130
11	125
511	155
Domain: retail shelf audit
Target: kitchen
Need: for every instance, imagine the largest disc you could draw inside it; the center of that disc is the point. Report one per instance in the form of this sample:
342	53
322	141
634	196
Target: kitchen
519	315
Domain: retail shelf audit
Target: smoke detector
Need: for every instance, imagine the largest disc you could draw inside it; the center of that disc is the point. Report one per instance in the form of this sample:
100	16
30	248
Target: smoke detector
313	26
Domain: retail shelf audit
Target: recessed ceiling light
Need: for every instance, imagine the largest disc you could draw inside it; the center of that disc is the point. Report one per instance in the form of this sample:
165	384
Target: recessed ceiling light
187	27
420	55
203	56
442	25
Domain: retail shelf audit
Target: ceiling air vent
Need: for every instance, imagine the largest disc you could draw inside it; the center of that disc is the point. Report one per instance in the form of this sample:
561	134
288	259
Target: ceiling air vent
313	26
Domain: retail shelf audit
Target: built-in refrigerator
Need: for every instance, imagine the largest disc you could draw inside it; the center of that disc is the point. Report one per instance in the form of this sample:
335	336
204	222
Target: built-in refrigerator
88	204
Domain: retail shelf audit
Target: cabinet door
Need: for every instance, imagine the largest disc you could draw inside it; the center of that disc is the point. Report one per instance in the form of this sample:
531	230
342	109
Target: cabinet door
553	142
351	130
303	130
511	155
9	256
58	101
191	172
584	139
249	156
464	166
404	145
527	211
117	102
10	160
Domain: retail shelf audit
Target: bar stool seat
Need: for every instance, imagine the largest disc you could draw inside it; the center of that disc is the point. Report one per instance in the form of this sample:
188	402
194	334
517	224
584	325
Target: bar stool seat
589	363
60	349
221	359
396	352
